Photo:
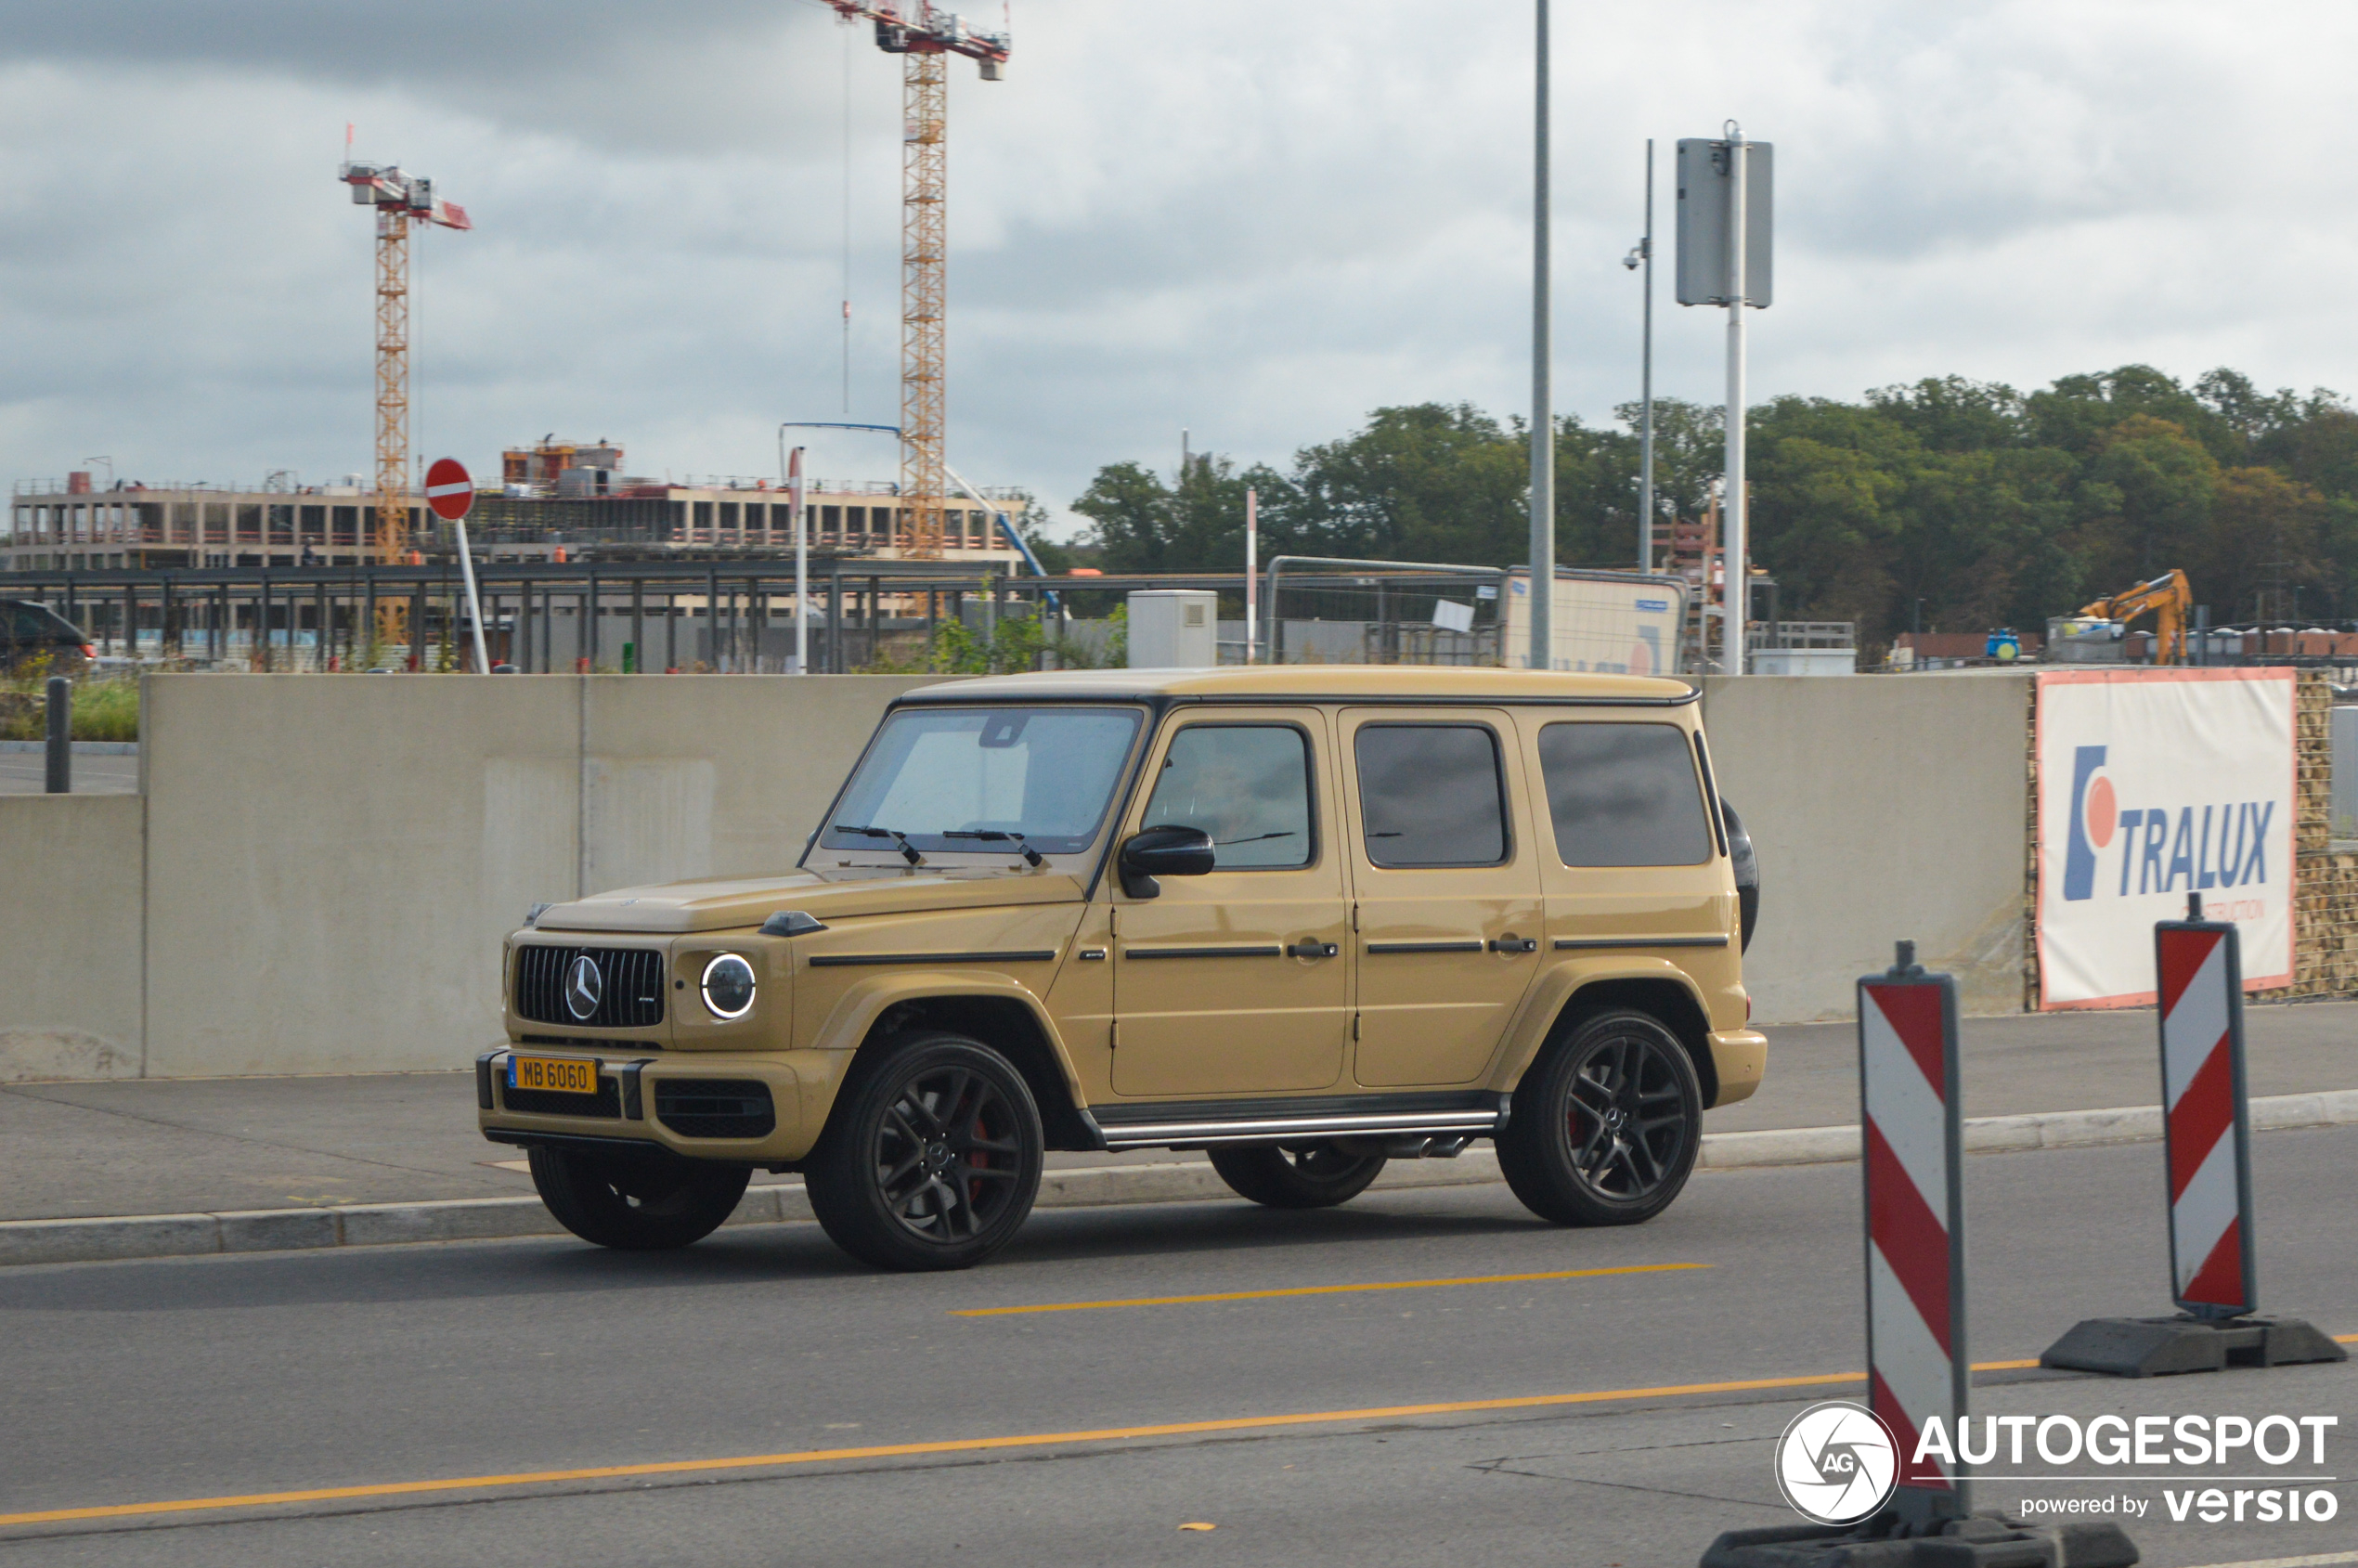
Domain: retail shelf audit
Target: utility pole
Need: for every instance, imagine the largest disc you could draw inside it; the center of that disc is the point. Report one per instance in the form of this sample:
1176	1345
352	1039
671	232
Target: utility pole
1735	591
1725	257
1543	423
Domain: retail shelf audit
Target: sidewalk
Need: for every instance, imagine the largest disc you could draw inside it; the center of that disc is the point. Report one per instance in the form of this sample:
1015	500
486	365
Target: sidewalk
213	1146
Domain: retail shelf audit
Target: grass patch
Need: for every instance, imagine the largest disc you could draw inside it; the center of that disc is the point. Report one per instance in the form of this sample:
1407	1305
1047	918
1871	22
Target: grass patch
103	710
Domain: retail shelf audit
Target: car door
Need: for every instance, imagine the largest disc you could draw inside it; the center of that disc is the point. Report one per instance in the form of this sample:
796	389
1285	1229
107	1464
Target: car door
1445	891
1632	863
1234	982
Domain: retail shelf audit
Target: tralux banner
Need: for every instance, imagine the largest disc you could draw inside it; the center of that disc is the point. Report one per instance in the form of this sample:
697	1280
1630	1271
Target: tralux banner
2154	783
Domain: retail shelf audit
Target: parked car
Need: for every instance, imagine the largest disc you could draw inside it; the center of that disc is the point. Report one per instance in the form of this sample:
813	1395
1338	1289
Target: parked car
1308	919
35	636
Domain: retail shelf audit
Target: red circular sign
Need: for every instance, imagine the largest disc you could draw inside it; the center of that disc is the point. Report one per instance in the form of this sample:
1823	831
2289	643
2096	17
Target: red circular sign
448	490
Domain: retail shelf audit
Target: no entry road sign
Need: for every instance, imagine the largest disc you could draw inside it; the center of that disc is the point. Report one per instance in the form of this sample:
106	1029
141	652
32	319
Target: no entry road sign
448	490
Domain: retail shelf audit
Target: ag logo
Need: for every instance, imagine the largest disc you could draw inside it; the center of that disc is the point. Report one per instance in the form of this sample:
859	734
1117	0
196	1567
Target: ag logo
583	987
1837	1462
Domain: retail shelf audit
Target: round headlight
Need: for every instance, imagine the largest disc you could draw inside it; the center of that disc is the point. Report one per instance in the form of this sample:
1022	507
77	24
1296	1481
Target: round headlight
728	986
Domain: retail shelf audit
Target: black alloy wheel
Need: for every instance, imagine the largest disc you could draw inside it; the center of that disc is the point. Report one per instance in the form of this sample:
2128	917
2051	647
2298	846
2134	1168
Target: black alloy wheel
1607	1124
1295	1175
932	1157
637	1204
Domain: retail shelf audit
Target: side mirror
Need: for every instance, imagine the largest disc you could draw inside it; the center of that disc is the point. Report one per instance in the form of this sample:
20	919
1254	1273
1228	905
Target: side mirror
1163	852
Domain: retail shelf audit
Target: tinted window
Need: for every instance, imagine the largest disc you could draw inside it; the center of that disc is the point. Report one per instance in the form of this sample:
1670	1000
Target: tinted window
30	623
1245	785
1431	796
1624	795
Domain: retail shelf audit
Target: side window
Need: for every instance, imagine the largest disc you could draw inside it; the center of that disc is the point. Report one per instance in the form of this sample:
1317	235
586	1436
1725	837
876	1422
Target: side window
1431	795
1245	785
1624	795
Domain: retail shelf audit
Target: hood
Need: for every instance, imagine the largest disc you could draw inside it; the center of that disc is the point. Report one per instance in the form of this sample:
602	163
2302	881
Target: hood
723	904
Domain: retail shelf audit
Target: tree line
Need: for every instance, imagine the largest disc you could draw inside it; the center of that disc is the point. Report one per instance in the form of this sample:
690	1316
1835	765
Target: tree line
1951	504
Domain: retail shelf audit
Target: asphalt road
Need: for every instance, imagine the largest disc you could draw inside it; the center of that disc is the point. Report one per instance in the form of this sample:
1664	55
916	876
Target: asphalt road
166	1381
186	1146
27	773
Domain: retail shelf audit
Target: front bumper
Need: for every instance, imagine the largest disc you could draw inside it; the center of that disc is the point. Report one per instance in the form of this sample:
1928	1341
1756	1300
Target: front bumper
710	1105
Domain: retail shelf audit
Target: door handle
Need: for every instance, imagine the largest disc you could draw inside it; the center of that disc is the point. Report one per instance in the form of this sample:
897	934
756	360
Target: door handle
1312	950
1512	943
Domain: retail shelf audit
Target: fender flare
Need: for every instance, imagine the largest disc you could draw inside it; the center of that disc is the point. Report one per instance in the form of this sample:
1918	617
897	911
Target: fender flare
853	1017
1561	986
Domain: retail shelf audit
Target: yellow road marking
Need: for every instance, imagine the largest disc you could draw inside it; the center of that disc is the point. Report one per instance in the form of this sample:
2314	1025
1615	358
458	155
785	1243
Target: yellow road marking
951	1445
1323	1290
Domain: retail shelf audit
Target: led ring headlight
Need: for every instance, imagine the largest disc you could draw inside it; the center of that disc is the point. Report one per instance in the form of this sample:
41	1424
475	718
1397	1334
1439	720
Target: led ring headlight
727	986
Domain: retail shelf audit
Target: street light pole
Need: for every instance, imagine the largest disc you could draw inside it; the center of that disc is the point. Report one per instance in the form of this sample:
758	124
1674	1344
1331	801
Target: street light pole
1734	607
1543	423
1642	255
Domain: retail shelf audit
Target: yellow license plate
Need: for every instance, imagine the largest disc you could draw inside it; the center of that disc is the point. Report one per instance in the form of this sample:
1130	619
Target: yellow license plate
561	1075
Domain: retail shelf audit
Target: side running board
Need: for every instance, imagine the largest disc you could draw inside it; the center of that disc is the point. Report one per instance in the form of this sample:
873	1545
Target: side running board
1258	1129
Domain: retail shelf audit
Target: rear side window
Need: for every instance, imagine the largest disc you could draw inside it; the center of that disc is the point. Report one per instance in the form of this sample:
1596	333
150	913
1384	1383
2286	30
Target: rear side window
30	623
1245	785
1431	795
1624	795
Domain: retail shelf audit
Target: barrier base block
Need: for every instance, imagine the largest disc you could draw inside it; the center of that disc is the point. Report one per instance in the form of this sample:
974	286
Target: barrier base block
2153	1347
1985	1540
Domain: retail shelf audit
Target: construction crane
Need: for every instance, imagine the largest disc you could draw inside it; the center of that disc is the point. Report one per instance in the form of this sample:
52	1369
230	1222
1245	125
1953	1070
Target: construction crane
398	198
924	35
2172	600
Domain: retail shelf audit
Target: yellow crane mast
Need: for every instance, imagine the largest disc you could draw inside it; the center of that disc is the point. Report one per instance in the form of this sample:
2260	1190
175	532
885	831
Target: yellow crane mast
924	37
398	197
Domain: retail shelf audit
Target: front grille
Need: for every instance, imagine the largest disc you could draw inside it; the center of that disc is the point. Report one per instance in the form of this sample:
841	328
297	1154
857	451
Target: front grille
630	993
606	1102
714	1108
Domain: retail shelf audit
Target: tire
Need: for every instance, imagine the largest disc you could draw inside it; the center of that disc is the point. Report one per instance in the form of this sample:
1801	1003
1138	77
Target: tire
1606	1126
932	1157
636	1204
1295	1175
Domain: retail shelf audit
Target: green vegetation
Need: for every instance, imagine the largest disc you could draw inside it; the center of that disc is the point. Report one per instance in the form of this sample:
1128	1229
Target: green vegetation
103	710
1990	506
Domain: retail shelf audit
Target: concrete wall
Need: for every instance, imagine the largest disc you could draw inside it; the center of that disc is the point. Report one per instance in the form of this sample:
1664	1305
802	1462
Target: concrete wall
1881	809
318	874
341	856
70	959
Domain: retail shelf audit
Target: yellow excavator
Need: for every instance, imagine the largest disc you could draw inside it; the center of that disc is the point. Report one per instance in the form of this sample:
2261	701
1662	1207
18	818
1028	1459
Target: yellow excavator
2170	600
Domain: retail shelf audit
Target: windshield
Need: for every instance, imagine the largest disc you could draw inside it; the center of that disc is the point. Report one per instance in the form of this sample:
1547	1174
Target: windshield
969	779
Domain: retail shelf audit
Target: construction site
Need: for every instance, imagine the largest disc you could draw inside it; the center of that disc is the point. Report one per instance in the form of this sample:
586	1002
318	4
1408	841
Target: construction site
571	562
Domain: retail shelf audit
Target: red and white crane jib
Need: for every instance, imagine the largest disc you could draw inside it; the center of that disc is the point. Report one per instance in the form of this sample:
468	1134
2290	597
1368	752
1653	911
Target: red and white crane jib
914	27
384	185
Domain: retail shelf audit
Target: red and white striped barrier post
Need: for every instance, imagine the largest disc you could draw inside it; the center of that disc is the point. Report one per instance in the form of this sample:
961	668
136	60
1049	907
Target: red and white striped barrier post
1913	1126
2206	1119
2207	1144
1910	1121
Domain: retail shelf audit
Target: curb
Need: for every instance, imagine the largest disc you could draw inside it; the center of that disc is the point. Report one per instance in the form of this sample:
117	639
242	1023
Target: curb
80	748
478	1219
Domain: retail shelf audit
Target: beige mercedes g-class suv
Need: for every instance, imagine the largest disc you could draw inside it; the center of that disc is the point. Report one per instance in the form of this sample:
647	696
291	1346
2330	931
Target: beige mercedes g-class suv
1307	919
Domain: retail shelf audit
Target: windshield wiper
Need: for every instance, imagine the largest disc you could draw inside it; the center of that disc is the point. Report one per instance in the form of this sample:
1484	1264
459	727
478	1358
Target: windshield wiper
892	833
993	835
1253	839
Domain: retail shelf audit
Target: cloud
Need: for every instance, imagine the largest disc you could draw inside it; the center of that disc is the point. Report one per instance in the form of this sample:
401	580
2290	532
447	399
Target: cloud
1257	221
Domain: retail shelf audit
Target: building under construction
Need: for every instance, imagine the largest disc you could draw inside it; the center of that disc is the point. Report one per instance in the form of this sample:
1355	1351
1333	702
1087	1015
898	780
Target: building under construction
558	502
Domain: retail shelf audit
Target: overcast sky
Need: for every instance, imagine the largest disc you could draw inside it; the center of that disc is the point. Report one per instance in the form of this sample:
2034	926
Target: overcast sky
1254	220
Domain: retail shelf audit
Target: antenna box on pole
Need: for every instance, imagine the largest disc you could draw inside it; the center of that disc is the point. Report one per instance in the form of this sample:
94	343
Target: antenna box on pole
1702	222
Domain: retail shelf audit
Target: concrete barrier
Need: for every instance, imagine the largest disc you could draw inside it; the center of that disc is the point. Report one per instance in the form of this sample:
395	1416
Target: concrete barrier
320	869
339	857
1879	805
71	964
